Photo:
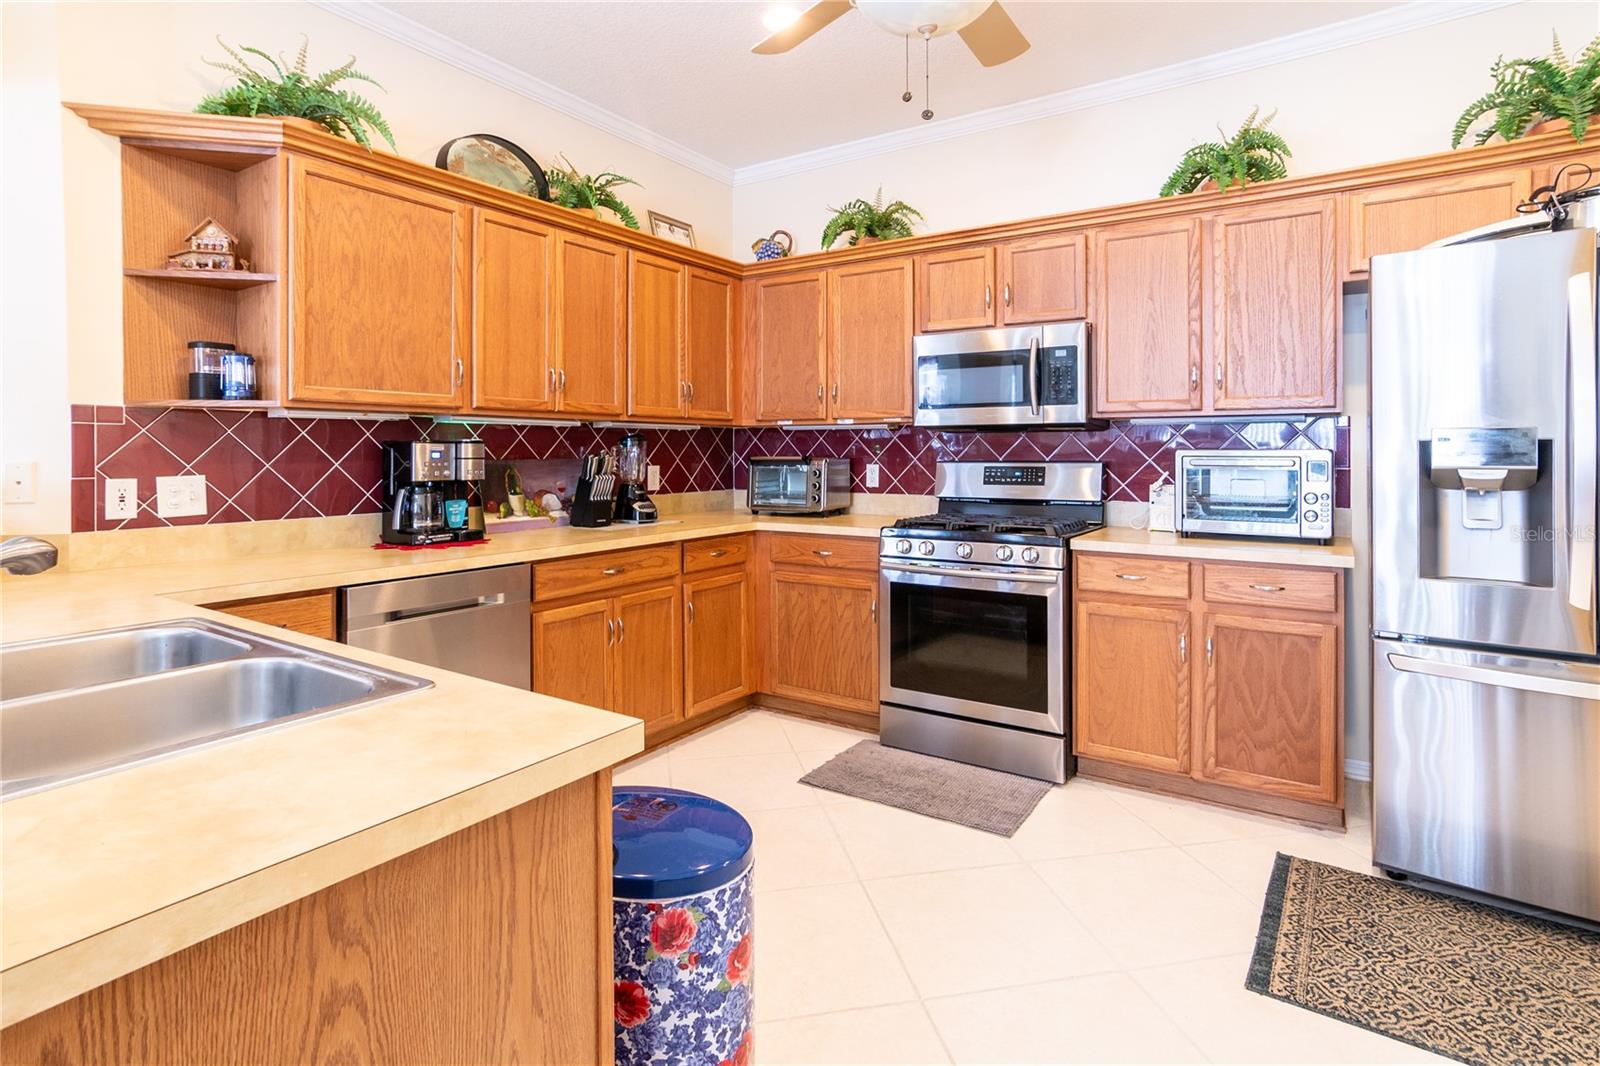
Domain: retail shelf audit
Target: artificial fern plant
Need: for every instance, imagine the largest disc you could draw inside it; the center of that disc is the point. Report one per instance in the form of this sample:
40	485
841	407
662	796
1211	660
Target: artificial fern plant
590	191
875	220
296	93
1255	153
1530	91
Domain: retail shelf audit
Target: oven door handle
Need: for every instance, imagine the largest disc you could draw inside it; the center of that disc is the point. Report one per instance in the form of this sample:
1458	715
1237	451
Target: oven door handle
1033	374
975	573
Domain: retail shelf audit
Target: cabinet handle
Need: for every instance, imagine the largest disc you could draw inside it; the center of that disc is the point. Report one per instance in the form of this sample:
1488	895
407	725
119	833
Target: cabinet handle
1194	377
461	372
1218	377
691	612
611	632
620	631
719	553
552	379
1007	294
613	571
819	390
683	391
988	297
1183	647
563	375
1268	588
1131	577
874	612
1209	651
835	392
821	554
691	392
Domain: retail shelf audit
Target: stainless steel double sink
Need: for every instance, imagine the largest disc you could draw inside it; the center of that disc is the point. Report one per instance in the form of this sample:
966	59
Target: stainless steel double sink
74	707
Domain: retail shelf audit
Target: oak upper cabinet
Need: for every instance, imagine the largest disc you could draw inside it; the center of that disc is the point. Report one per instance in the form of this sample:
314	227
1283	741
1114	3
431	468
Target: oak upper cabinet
378	291
1274	337
869	340
513	320
1042	279
786	346
1132	677
1147	317
658	386
1270	720
955	289
713	315
572	652
646	660
591	325
1406	216
716	649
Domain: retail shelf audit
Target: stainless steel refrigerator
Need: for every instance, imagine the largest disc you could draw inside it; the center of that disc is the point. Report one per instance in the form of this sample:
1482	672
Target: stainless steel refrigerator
1486	678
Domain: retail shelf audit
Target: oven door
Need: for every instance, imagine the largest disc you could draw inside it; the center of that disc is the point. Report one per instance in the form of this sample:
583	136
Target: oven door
779	486
987	377
1255	495
986	644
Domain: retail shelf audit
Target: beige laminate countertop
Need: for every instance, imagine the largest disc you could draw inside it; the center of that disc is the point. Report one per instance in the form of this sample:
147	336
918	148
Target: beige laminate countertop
1122	540
114	872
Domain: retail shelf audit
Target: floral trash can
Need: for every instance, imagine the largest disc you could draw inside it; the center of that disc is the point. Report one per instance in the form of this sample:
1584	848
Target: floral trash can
682	924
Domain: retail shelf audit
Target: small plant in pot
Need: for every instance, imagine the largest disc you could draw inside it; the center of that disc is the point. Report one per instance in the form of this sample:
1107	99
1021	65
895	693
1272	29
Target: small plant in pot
294	92
1253	154
590	192
868	222
1536	96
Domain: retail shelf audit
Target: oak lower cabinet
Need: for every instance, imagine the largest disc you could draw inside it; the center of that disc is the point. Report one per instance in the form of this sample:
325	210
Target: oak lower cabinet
572	652
716	643
822	643
1219	681
622	653
313	613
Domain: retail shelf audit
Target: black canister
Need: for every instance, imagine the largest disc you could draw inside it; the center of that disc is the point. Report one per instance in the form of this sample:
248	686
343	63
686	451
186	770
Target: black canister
205	369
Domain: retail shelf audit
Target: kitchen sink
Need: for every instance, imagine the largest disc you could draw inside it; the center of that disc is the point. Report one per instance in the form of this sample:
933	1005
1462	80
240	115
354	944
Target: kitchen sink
181	685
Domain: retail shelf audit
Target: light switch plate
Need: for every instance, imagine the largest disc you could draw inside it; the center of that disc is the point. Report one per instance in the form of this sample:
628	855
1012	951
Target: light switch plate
122	497
181	497
872	475
653	479
22	482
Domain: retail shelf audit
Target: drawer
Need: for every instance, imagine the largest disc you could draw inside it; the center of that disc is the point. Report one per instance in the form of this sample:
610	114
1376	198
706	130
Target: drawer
1134	575
602	573
716	553
311	613
835	553
1290	587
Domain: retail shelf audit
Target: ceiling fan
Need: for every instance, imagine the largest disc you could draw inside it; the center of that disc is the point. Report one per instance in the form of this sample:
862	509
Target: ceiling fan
984	26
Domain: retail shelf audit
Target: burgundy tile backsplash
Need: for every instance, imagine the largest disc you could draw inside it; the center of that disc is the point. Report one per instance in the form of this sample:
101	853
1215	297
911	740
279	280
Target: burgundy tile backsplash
260	468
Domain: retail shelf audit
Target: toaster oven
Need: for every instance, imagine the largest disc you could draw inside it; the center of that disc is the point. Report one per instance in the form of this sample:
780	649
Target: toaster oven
796	485
1256	493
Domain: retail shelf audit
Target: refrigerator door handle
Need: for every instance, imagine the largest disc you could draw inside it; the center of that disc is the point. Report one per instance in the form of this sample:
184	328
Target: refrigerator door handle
1583	518
1487	675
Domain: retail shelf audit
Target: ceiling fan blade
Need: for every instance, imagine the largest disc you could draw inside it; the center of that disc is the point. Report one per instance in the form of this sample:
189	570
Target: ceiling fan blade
993	37
810	21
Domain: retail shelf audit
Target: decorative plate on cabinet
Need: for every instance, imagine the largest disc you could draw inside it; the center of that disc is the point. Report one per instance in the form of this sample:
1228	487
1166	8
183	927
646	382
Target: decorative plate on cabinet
496	161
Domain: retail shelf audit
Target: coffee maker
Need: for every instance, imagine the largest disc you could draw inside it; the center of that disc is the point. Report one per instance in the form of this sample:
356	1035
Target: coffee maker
432	491
633	474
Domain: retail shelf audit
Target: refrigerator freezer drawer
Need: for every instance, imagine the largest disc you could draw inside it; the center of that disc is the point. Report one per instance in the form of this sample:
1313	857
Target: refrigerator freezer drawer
1486	773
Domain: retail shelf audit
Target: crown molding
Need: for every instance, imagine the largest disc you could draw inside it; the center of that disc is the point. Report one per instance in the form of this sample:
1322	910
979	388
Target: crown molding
1403	18
430	42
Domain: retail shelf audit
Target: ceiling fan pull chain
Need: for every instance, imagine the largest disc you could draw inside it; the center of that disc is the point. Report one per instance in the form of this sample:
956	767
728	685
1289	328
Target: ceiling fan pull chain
905	97
927	66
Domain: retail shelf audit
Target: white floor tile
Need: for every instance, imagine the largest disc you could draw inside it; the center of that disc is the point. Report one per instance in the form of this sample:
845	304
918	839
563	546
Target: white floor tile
807	734
645	770
797	847
885	841
746	782
823	949
1080	819
900	1033
1104	1018
970	930
1153	907
747	733
1184	821
1247	864
1209	1002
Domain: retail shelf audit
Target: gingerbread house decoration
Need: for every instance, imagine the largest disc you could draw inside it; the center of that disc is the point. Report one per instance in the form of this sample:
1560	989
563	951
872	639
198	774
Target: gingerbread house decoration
210	248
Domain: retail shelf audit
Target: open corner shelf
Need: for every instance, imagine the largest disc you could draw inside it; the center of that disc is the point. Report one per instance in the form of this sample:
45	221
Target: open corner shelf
232	280
212	405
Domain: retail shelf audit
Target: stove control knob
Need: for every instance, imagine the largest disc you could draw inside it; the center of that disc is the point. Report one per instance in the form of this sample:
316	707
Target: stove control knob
1030	555
903	546
1003	553
926	547
964	551
1311	497
1311	516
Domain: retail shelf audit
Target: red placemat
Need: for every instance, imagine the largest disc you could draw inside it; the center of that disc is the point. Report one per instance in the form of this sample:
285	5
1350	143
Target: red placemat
381	546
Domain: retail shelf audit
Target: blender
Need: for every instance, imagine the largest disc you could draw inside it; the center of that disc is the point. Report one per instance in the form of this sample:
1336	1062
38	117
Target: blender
633	473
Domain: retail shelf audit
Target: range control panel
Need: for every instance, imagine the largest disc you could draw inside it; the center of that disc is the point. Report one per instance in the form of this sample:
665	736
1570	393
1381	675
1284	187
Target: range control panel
1013	475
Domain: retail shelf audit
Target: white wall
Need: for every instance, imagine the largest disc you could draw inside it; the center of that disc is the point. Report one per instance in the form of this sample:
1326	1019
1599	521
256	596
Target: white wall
1368	103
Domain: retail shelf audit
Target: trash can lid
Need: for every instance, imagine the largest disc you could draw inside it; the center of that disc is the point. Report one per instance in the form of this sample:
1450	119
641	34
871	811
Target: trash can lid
668	843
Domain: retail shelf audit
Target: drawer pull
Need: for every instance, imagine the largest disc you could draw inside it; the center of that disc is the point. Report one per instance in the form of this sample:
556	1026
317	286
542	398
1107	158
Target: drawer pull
821	554
1268	588
612	571
719	553
1131	577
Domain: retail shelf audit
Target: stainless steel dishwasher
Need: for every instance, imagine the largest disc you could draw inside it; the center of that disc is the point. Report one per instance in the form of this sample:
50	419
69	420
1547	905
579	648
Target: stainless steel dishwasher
475	622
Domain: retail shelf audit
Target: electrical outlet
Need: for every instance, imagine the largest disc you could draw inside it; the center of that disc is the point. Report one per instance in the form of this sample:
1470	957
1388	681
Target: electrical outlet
122	497
872	475
653	479
181	497
21	482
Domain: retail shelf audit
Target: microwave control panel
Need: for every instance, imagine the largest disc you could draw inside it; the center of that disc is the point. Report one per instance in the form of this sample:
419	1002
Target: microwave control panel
1059	371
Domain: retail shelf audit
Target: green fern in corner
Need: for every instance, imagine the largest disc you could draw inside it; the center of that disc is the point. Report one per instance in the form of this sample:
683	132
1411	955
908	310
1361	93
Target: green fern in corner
1253	154
590	192
875	220
296	93
1530	91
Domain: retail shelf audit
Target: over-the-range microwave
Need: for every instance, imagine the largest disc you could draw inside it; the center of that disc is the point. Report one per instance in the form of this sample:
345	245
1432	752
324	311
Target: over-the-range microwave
1024	376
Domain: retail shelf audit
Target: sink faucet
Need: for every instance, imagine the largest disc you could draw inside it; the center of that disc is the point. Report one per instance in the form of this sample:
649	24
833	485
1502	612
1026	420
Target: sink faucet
26	555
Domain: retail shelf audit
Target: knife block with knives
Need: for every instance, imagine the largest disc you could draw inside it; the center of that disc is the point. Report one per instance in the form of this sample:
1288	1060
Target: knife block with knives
595	500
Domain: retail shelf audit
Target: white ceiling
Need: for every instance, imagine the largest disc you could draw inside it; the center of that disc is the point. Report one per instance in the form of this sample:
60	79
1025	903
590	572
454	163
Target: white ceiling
684	71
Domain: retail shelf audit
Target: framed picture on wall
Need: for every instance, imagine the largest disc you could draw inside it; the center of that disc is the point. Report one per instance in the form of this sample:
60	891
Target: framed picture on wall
672	229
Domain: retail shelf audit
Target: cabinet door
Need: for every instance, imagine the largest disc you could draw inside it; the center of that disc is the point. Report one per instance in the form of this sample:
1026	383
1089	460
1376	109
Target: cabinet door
955	290
1042	279
1147	317
1271	706
377	291
513	286
824	638
716	649
647	660
572	652
1404	217
1132	685
713	310
869	340
657	295
1275	310
591	325
788	346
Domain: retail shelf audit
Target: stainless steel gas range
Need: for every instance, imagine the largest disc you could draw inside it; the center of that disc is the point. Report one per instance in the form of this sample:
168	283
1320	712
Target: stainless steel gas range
974	655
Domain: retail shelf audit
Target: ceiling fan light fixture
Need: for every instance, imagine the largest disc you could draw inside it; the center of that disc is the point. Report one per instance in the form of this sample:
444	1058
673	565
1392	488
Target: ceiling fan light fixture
903	17
780	17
